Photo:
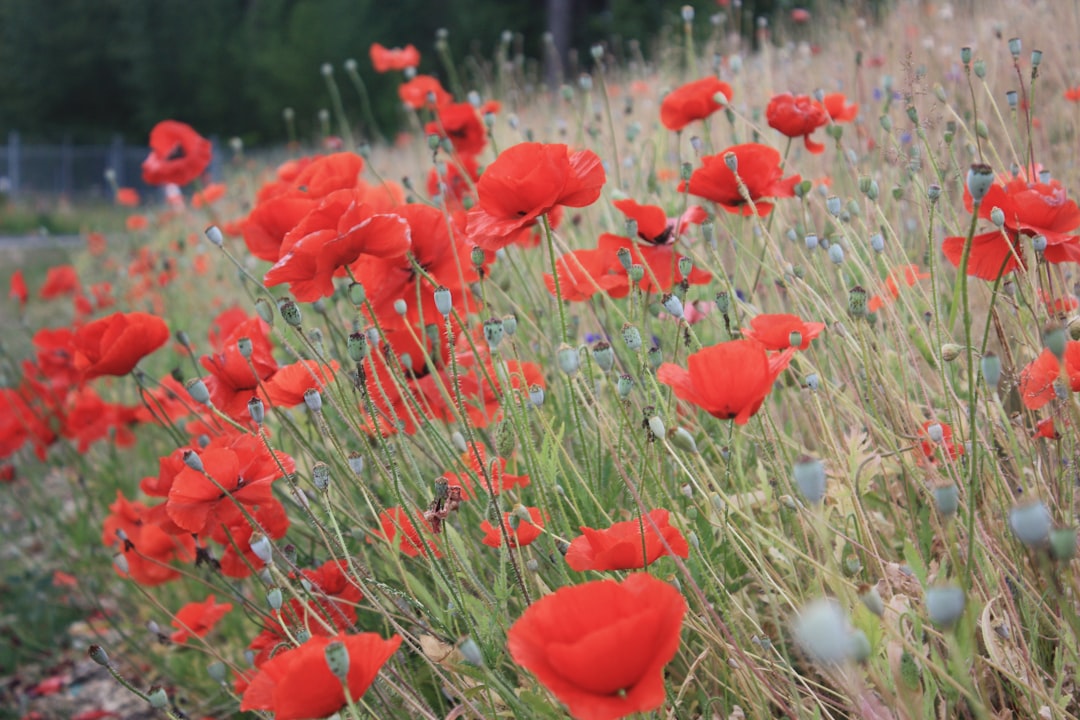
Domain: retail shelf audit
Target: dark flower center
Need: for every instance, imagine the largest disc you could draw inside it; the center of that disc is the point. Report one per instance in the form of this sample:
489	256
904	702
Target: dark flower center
177	153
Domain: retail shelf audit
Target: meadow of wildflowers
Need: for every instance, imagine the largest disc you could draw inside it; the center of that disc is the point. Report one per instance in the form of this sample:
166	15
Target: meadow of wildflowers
730	384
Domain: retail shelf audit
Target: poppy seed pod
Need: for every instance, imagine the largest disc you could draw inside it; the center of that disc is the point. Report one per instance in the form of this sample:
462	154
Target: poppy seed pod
313	400
810	478
655	357
400	306
723	302
656	426
686	266
193	461
157	697
632	337
945	605
673	305
1054	338
731	160
877	242
274	598
213	234
636	273
493	332
946	499
337	659
991	369
356	463
603	355
997	216
822	631
811	241
1038	243
836	253
1014	47
1031	523
320	475
871	599
623	254
290	313
1063	544
568	358
265	311
833	204
98	655
965	55
857	300
443	301
979	179
197	390
624	385
262	548
536	395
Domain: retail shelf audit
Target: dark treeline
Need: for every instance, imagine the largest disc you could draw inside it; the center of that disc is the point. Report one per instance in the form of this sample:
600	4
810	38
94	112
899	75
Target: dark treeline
88	69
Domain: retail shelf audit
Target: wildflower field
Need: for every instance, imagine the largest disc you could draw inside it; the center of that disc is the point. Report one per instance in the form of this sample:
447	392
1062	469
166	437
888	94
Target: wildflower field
733	382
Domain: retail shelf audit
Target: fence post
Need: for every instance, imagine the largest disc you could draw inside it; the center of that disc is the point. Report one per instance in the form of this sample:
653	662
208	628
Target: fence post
13	163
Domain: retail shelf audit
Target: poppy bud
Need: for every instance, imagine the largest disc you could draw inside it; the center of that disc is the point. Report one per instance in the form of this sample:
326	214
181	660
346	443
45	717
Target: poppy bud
356	463
822	631
98	655
320	475
120	562
624	386
864	183
261	546
1038	243
871	599
509	323
536	395
982	130
632	337
877	242
886	123
897	192
213	234
682	439
157	697
857	301
951	351
623	254
197	390
673	305
810	478
1054	338
1031	523
603	355
274	598
290	312
836	253
1063	544
945	605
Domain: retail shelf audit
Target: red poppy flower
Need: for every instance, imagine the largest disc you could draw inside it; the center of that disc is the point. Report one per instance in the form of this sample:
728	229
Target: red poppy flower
1073	94
797	116
774	331
837	108
178	154
476	461
386	59
949	449
237	559
59	280
423	91
526	181
520	536
242	472
126	196
729	380
693	101
601	647
233	381
460	123
113	345
758	168
621	546
198	619
208	195
147	548
908	274
1058	306
1045	429
1029	208
300	187
86	418
456	183
394	521
298	684
333	236
18	291
1038	377
137	223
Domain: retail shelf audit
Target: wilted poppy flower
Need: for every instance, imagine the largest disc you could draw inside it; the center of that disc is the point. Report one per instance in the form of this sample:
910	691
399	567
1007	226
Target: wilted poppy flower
18	291
526	181
774	331
393	522
385	59
178	154
759	169
333	236
797	116
601	647
525	532
423	91
729	380
113	345
59	280
1029	209
627	545
693	101
198	618
460	123
297	684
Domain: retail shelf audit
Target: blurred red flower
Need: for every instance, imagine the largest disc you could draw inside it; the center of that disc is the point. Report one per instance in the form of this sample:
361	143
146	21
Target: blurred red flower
729	380
601	647
126	196
297	683
59	280
475	459
423	91
18	291
908	274
693	101
837	108
113	345
759	169
949	449
197	619
797	116
1038	377
386	59
460	123
147	548
520	536
626	545
178	154
526	181
774	330
393	521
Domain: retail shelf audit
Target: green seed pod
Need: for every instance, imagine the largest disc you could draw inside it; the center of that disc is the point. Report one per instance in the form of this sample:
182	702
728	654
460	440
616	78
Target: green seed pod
603	355
1031	523
290	313
1063	544
945	605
